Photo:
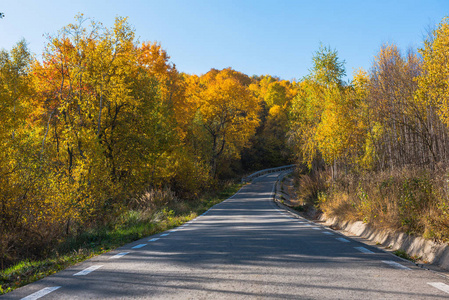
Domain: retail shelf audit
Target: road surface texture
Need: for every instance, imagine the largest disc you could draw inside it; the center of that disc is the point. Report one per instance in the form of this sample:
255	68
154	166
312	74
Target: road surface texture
243	248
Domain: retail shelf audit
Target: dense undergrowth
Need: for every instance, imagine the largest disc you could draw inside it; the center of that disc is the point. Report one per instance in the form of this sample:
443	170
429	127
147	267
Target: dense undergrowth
409	200
154	212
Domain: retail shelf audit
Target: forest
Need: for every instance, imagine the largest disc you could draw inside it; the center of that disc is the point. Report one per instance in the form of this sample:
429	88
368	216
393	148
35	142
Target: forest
102	120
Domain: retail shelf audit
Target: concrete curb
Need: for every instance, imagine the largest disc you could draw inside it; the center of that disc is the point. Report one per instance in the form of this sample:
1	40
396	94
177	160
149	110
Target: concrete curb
435	255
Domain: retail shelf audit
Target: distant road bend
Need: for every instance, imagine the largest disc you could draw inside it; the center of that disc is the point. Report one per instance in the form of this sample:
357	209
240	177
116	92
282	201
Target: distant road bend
243	248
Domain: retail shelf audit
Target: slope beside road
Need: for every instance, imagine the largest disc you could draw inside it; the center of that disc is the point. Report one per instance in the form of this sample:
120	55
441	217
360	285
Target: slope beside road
245	247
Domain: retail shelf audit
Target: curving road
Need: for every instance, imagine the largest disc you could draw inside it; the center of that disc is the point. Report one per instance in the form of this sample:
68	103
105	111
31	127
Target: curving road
245	247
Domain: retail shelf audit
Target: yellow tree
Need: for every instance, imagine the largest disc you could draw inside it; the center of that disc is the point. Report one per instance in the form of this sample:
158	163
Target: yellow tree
155	61
433	83
18	165
107	130
227	110
269	146
365	130
304	117
316	109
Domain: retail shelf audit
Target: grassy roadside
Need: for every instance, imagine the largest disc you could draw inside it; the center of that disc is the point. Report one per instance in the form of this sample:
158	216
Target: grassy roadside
410	200
133	226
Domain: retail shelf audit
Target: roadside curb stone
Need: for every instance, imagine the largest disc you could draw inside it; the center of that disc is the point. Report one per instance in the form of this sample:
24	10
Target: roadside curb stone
433	256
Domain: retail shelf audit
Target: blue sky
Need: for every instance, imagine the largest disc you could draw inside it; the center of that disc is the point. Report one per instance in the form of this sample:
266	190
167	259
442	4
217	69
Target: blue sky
276	37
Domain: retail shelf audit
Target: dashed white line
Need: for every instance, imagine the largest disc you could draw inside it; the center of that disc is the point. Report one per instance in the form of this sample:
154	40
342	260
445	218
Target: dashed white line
439	285
153	240
364	250
342	240
119	255
395	264
88	270
165	234
139	246
41	293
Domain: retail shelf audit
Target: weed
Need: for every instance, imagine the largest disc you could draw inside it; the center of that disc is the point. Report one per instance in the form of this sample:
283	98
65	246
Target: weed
299	208
401	253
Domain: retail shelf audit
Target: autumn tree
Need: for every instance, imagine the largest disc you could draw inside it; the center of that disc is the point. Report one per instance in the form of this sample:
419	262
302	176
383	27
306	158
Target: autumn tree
410	131
18	147
269	146
227	110
107	126
432	93
317	110
433	83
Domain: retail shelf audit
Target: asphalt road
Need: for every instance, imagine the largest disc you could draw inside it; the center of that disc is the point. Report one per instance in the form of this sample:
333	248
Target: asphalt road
243	248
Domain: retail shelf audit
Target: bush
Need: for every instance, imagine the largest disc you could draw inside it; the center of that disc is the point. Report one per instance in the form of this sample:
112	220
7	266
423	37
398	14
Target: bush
312	187
411	200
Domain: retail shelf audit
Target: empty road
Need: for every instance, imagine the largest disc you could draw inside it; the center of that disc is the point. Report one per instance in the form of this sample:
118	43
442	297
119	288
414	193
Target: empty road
243	248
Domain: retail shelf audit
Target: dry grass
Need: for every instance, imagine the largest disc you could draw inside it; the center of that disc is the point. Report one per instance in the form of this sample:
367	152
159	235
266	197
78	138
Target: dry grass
311	187
410	200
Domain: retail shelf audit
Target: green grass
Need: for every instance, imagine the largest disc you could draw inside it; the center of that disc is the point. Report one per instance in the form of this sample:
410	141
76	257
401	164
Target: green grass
299	208
133	225
401	253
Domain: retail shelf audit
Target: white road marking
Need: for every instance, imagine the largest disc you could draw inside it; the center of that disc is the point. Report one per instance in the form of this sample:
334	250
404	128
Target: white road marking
153	240
165	234
139	246
41	293
173	230
88	270
328	233
395	264
119	255
364	250
342	240
317	228
439	285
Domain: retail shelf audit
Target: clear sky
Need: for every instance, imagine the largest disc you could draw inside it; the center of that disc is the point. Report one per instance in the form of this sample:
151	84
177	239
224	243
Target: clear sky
276	37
